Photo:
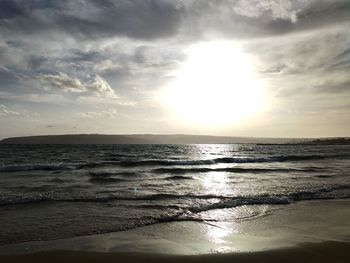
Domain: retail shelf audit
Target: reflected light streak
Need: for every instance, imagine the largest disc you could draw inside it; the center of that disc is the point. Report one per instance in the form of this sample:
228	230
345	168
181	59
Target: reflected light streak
217	183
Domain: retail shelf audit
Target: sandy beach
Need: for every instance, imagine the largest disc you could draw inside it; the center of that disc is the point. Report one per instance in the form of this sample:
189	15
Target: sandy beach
313	231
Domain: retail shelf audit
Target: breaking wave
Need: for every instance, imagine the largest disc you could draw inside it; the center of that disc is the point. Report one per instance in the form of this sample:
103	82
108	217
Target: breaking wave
223	201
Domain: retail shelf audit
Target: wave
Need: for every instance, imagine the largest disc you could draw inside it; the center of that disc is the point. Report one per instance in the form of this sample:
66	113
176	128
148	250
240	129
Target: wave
17	200
165	162
221	201
323	176
109	177
107	174
59	180
35	167
277	158
179	177
96	164
13	200
320	194
101	174
230	170
156	162
282	158
106	180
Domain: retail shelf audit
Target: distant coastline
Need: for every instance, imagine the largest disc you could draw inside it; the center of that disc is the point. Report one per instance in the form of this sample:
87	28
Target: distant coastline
162	139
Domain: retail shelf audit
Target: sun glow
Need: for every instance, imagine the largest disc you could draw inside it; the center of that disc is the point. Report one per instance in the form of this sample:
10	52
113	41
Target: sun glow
215	86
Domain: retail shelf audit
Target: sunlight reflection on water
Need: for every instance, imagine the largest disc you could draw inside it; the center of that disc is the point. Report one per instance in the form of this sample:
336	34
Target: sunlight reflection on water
223	222
216	183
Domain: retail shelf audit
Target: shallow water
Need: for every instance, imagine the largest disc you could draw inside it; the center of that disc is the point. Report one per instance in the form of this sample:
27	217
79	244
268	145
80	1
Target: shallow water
56	191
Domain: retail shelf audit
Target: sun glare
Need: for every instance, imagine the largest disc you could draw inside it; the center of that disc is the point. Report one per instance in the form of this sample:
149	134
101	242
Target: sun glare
214	86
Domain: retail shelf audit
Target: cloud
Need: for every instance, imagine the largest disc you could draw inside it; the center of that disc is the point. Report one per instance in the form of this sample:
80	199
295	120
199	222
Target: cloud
106	101
110	113
106	66
40	98
321	51
159	19
261	18
3	68
143	19
62	81
10	9
256	8
332	87
5	111
100	86
82	53
10	56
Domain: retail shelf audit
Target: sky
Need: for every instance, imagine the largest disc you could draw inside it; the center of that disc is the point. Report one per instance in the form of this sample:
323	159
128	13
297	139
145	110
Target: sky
263	68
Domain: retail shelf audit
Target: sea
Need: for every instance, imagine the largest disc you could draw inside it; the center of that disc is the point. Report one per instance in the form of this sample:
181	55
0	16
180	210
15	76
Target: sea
57	191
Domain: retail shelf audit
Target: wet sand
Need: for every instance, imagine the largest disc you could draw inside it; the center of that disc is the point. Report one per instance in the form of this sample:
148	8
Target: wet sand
330	252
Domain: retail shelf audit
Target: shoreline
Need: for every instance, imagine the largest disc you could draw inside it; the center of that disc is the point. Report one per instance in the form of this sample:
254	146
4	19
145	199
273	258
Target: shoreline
308	252
282	227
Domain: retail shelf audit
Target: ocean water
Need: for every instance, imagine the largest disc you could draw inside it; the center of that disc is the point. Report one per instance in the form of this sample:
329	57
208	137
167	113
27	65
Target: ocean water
57	191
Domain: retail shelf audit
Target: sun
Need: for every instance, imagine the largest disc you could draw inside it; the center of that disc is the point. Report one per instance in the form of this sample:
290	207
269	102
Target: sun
214	86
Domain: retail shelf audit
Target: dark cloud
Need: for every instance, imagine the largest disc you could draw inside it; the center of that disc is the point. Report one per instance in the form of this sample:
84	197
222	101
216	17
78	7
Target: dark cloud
322	12
37	61
144	19
8	79
257	18
10	9
316	14
154	19
77	55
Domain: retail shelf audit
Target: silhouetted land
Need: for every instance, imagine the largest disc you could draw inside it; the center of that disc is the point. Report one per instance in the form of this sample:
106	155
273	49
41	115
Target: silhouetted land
136	139
160	139
331	141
